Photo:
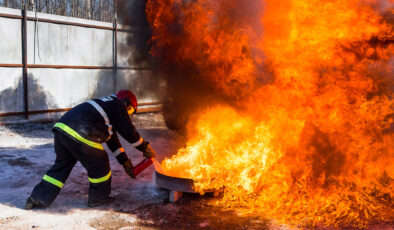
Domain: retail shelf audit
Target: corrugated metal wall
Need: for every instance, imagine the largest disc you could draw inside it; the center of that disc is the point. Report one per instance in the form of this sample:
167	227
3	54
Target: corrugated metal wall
69	60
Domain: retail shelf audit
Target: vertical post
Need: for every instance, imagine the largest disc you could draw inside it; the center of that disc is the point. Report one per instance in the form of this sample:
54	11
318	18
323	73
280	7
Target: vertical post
115	46
24	61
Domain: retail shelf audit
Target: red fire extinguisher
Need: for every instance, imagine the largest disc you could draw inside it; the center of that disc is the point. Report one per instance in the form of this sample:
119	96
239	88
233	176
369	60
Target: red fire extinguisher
142	165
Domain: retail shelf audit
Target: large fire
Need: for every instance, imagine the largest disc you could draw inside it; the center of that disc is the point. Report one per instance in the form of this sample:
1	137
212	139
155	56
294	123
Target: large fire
309	135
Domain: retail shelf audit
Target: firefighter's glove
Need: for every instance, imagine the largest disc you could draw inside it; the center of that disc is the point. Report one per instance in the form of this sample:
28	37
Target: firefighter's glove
128	168
149	151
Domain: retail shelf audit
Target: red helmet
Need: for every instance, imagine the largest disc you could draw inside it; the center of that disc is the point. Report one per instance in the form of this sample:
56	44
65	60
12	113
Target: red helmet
128	98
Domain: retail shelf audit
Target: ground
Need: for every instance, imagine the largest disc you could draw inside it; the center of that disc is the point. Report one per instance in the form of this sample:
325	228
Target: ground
26	152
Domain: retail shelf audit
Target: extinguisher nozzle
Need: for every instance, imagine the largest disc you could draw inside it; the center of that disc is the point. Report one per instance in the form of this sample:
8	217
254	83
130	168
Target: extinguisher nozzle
142	166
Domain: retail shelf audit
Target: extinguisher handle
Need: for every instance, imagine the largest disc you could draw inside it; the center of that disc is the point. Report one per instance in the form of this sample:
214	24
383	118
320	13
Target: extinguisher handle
142	166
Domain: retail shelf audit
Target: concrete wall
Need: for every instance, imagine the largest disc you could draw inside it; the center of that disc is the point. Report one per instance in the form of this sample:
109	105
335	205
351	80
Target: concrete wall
56	44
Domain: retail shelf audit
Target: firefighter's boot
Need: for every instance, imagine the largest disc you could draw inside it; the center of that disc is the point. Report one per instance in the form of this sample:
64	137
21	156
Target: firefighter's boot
32	204
105	201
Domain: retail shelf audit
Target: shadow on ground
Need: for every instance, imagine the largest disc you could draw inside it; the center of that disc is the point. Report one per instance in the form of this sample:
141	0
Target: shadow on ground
30	130
194	211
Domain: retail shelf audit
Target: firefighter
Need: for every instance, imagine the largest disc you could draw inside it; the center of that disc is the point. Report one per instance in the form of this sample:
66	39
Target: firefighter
79	135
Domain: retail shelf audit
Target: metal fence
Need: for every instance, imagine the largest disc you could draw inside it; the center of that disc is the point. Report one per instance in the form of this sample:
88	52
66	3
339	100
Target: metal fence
99	10
151	99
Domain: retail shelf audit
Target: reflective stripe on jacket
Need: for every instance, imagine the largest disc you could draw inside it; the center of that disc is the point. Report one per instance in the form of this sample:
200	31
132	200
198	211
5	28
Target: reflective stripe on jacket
74	134
97	121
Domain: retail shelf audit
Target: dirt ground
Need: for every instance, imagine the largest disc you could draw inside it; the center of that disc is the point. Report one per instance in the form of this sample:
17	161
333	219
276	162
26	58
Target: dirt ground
26	152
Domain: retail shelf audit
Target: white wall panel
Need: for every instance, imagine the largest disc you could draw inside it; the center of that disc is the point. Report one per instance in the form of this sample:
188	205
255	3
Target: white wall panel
88	46
10	41
58	44
11	90
51	88
55	44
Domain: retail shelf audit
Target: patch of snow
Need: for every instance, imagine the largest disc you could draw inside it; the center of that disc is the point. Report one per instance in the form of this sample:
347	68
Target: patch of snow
9	138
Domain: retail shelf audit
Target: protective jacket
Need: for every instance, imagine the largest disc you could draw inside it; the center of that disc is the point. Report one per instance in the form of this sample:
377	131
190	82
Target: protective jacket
96	121
79	136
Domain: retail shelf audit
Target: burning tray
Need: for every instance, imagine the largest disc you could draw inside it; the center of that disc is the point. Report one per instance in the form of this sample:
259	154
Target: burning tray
171	183
176	185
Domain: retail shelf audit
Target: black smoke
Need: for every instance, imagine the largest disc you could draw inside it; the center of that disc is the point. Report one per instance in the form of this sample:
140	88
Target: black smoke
188	89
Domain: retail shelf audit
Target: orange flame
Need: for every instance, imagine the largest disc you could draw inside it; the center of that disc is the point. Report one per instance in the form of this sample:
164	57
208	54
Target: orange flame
312	139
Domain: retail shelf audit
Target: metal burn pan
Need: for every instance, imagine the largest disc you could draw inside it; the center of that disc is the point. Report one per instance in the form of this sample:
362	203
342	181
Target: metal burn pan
174	183
177	186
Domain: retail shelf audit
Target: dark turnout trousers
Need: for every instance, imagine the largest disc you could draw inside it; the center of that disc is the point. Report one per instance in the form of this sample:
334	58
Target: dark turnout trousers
68	151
